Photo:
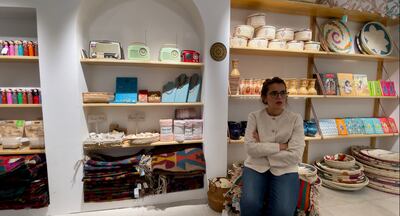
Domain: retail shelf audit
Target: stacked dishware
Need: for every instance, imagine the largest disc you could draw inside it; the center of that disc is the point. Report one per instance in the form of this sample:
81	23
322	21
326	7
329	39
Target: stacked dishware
382	168
257	34
341	172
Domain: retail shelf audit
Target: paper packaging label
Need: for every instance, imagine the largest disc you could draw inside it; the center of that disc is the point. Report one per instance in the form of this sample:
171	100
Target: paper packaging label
166	130
145	186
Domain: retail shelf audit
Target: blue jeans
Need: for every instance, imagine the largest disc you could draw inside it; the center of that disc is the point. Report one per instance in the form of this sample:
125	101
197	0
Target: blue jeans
279	192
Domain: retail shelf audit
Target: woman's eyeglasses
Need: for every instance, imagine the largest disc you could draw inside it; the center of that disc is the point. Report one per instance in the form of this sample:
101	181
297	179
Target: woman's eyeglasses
276	94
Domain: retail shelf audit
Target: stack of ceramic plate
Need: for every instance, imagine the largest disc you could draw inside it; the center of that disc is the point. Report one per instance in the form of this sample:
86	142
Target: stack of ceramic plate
336	37
374	39
341	172
382	168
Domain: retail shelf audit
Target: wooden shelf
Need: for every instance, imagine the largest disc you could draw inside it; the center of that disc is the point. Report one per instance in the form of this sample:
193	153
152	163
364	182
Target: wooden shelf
308	9
116	62
27	59
359	136
21	151
361	97
141	104
320	54
241	140
20	105
254	97
290	96
187	142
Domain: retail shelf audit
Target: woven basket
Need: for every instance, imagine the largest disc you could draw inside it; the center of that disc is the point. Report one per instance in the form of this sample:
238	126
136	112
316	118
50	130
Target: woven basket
216	197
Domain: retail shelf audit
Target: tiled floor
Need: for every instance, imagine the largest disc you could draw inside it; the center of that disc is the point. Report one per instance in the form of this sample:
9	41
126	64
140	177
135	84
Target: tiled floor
363	203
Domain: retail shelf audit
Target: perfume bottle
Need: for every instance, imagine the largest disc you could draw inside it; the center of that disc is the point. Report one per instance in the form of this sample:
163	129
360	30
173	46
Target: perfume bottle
31	52
11	49
4	96
15	96
35	95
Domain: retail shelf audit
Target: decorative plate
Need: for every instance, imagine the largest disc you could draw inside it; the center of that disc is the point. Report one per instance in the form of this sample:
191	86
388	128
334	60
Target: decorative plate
340	161
356	170
375	163
218	51
345	187
337	36
382	172
376	39
384	181
382	155
359	45
384	189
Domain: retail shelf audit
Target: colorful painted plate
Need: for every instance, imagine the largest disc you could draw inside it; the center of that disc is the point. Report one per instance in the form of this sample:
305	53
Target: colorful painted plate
359	45
382	155
345	187
337	36
376	39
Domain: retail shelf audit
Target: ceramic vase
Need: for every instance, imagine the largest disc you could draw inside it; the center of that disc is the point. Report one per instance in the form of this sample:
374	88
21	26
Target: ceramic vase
311	87
303	87
234	78
292	88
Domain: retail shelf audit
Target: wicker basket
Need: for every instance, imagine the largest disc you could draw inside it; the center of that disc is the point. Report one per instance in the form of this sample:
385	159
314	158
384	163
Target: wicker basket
216	197
97	97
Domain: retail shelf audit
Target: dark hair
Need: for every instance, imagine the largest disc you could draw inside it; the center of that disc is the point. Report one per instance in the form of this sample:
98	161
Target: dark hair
267	83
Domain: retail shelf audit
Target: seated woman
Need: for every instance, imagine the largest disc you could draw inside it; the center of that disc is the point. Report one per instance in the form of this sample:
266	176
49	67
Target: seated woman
274	143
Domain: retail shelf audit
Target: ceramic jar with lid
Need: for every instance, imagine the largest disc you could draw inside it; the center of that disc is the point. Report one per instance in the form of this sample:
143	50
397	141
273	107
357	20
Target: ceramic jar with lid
286	34
267	32
256	20
259	43
238	42
277	44
245	31
295	45
312	46
303	35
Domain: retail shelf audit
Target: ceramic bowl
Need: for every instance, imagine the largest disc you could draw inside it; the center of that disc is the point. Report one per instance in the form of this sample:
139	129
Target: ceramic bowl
238	42
312	46
259	43
245	31
303	35
295	45
286	34
256	20
266	32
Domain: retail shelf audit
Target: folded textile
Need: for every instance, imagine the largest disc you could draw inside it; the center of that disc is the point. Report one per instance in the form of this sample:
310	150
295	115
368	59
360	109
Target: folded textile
185	160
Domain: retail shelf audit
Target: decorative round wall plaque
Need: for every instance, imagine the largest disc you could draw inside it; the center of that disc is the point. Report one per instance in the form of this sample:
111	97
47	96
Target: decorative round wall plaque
218	51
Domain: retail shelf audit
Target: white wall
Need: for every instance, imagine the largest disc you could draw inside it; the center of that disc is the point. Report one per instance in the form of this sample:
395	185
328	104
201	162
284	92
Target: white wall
64	27
288	67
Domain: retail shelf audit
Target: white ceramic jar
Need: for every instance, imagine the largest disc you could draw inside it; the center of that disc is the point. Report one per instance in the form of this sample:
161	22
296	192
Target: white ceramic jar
312	46
238	42
245	31
266	32
259	43
256	20
277	44
303	35
286	34
295	45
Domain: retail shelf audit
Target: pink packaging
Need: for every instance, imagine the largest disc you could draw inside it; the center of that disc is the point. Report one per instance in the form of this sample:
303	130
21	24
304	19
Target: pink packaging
166	134
179	130
197	125
188	129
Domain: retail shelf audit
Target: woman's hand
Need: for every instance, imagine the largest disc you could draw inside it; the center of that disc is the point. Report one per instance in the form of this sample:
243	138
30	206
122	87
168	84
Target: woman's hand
256	136
283	146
